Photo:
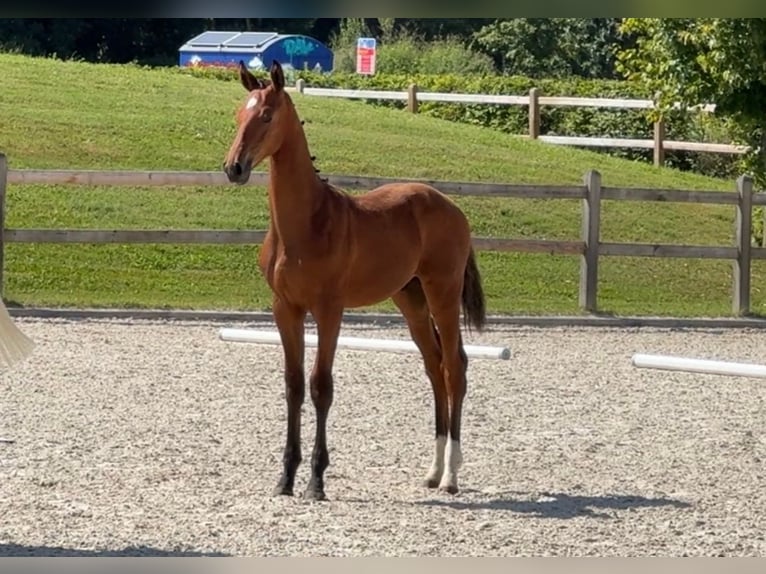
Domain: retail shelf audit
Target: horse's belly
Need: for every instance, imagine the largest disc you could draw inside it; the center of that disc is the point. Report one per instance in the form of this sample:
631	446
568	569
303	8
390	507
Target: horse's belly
370	293
385	255
377	280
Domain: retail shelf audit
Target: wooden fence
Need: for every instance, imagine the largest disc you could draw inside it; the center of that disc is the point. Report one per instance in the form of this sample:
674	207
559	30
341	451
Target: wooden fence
534	100
589	248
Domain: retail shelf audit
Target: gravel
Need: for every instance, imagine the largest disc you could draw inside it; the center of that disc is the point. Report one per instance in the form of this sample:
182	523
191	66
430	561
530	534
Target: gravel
156	438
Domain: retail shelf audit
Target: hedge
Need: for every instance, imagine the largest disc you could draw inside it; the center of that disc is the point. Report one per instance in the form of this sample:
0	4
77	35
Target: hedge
564	121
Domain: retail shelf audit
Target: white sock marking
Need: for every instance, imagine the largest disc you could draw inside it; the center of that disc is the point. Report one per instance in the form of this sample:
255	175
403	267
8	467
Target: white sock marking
454	461
437	466
455	456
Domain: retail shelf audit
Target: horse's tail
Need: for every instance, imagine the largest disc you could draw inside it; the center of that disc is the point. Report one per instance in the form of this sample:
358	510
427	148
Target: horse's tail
474	305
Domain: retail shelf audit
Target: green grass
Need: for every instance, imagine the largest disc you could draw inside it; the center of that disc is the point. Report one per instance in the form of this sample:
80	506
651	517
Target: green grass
68	115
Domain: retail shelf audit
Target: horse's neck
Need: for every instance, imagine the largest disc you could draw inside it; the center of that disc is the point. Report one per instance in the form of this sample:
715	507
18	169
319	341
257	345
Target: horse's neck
295	190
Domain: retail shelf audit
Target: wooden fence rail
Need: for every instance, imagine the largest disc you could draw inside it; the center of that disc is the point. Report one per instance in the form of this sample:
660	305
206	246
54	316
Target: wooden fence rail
589	247
534	100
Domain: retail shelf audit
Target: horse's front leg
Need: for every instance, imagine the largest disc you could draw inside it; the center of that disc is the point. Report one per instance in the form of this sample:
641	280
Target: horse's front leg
328	328
290	323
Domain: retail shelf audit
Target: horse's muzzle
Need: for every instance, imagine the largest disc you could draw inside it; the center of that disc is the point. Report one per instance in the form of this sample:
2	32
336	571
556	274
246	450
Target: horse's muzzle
237	172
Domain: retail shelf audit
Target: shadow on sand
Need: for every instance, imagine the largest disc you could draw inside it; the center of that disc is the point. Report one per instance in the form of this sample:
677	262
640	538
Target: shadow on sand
559	505
18	550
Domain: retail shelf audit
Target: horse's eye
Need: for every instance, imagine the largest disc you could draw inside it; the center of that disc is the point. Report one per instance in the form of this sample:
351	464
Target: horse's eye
266	118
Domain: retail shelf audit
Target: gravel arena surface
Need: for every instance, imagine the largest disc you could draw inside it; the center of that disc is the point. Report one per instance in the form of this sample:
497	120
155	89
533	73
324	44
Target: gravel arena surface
156	438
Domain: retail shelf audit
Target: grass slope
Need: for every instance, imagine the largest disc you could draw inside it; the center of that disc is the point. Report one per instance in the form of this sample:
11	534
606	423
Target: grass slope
65	115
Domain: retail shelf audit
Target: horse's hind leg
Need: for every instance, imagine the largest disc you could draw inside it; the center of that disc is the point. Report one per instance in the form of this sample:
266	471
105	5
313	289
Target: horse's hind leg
444	303
411	302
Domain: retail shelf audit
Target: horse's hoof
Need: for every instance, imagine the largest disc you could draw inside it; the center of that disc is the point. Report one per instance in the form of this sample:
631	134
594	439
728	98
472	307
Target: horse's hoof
282	490
431	482
312	493
449	489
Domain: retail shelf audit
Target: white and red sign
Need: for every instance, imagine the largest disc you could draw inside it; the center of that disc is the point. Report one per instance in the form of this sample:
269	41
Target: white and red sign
365	56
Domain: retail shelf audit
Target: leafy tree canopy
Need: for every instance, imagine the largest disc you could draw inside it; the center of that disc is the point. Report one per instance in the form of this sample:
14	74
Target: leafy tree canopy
692	61
552	47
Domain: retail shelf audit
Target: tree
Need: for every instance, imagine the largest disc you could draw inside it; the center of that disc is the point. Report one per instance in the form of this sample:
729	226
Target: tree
552	47
693	61
441	28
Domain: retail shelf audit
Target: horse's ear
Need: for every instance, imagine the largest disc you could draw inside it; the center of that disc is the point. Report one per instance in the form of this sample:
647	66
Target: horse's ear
277	76
249	81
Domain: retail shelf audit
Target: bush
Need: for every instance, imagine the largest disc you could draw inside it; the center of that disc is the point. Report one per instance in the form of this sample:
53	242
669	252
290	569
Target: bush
400	51
343	43
564	121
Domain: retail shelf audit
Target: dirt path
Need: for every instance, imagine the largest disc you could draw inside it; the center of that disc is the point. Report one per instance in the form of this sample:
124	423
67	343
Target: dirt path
157	438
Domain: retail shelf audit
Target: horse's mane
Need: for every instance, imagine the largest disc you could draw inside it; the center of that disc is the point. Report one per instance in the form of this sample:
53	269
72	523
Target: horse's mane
317	170
326	180
313	159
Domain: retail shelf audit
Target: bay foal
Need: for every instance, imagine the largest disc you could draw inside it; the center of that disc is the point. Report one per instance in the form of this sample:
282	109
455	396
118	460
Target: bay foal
326	250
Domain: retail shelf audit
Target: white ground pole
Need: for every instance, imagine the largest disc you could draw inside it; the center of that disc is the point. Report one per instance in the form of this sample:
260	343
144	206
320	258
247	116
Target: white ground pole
358	343
670	363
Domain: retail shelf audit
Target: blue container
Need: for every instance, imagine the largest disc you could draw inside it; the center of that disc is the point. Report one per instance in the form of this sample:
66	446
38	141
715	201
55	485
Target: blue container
257	50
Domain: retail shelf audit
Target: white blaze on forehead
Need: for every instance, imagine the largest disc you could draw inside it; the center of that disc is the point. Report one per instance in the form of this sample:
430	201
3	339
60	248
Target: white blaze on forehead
252	102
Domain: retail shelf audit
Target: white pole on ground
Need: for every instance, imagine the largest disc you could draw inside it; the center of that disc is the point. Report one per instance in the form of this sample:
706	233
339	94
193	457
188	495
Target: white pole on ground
358	343
670	363
15	346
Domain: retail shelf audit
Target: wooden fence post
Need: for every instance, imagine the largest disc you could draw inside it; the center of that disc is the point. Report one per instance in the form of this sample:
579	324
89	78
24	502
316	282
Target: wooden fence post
743	229
3	188
591	224
534	113
300	84
763	222
659	137
412	98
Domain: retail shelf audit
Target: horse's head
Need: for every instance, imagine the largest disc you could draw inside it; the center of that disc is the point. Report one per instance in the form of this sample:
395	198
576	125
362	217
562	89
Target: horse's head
259	123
